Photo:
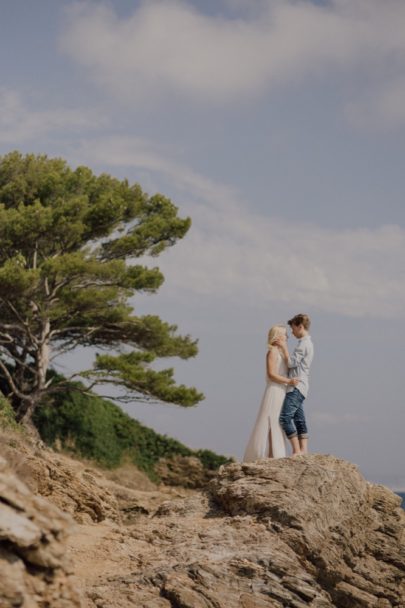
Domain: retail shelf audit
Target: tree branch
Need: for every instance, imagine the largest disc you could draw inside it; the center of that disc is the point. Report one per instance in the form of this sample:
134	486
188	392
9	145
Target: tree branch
57	332
22	321
11	326
16	358
5	338
11	382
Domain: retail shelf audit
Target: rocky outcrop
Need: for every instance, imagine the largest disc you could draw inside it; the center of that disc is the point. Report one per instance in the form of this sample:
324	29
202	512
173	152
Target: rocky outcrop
74	487
89	494
34	569
348	534
291	533
183	471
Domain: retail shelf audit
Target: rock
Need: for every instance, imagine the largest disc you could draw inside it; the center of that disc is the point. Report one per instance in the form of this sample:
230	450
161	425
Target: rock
347	532
87	493
76	488
129	476
17	528
293	533
306	532
34	569
185	471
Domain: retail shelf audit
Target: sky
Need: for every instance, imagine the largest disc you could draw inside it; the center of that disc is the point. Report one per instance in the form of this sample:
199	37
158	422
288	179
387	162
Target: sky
278	126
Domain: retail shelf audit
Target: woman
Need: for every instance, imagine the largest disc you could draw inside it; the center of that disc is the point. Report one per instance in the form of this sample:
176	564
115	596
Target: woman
267	439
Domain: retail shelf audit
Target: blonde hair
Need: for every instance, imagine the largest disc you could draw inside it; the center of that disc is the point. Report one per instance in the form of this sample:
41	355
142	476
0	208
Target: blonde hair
275	332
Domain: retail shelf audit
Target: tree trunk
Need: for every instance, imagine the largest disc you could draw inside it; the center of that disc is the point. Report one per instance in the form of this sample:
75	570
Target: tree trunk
24	417
43	356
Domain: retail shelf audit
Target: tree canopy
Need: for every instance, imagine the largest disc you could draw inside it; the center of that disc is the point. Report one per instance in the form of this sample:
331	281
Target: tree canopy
68	244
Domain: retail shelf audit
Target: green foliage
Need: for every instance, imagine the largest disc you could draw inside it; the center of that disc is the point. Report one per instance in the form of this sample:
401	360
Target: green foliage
129	368
69	240
211	460
99	430
7	415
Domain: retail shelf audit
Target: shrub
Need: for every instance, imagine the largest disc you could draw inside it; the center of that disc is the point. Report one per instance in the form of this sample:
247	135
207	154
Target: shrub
97	429
7	415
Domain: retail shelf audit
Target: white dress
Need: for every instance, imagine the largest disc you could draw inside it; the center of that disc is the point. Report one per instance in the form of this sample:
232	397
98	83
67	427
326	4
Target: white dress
267	420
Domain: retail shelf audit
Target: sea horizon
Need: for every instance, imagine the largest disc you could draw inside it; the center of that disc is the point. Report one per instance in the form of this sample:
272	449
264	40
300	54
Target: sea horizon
402	495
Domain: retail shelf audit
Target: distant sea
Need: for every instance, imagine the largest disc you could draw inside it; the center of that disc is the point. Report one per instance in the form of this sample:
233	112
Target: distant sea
402	495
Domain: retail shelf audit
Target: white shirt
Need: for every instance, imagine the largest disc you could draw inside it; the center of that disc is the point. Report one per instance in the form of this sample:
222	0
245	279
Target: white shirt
299	364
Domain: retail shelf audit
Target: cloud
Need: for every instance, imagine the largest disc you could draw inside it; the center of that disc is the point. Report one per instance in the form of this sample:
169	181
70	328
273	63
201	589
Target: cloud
259	259
129	151
20	123
383	108
171	47
234	253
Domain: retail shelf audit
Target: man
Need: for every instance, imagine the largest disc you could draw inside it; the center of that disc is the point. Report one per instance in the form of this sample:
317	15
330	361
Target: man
292	416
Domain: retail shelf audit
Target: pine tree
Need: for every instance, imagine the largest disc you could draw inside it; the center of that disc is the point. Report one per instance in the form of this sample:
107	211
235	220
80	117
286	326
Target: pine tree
68	244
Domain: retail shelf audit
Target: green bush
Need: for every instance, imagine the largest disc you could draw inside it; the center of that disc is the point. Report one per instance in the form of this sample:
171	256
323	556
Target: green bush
7	415
97	429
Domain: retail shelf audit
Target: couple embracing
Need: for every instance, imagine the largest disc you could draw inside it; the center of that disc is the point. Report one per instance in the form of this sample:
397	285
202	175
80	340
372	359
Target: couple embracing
281	415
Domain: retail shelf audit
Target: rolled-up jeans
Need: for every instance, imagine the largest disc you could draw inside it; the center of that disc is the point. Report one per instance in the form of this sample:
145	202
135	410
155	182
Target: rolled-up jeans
292	416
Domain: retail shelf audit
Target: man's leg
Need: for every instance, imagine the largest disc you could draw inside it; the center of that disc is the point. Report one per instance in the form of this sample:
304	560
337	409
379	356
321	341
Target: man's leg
301	425
286	420
296	446
303	444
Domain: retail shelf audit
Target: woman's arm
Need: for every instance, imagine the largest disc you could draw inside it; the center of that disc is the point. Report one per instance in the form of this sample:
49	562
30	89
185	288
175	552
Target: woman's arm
271	370
295	359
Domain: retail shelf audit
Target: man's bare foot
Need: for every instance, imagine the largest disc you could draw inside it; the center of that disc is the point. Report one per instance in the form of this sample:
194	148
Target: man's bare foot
297	454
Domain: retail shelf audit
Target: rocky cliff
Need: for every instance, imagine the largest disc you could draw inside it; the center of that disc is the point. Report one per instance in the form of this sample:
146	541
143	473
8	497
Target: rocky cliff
291	533
34	569
347	535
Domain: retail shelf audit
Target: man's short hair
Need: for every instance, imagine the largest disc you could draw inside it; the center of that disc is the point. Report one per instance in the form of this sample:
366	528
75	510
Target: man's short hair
300	319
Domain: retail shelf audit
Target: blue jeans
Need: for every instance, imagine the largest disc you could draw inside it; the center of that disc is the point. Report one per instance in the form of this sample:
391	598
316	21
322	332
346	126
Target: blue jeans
292	417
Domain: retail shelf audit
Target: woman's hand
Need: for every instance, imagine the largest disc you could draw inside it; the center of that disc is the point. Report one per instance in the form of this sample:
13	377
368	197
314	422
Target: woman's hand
280	341
293	381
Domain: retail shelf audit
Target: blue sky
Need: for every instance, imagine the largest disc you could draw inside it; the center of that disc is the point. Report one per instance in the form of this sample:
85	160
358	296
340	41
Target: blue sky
278	126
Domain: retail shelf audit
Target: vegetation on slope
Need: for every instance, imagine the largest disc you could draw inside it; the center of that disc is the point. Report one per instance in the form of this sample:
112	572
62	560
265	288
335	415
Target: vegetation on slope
7	415
96	428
